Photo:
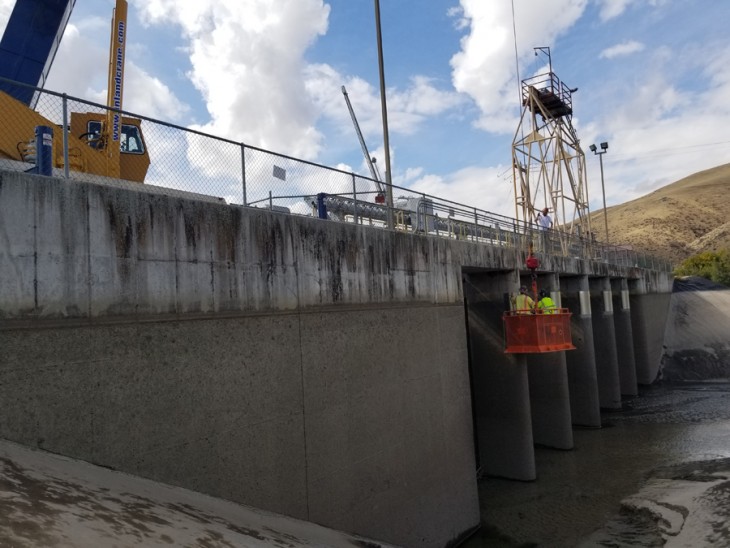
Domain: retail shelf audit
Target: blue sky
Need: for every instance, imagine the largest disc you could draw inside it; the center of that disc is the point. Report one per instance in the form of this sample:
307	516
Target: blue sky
653	79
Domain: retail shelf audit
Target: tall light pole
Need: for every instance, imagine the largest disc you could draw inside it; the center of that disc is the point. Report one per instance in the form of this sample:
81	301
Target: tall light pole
600	153
386	141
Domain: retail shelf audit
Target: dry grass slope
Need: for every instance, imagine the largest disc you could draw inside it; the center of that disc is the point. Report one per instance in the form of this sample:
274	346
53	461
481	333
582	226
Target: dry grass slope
675	221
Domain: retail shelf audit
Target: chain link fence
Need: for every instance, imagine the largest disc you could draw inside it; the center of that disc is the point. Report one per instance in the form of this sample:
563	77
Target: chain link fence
168	156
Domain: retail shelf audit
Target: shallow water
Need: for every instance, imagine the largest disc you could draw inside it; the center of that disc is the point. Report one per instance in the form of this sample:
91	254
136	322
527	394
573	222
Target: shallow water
576	500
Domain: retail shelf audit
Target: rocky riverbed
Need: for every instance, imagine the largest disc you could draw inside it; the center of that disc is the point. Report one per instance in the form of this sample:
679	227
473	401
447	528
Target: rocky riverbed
656	474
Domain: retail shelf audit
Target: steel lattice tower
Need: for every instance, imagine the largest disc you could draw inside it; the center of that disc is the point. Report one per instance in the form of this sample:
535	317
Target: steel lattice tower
548	164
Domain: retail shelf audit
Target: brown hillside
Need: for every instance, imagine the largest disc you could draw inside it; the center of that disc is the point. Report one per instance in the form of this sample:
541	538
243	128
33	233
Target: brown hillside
675	221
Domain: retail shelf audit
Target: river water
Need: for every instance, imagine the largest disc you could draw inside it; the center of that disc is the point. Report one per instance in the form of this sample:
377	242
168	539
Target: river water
656	474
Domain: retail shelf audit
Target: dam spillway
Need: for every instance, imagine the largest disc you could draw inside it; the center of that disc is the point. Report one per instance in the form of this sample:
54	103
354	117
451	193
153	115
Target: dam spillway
333	372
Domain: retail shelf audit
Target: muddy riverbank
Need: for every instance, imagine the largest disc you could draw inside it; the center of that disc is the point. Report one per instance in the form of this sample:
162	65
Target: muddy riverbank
656	474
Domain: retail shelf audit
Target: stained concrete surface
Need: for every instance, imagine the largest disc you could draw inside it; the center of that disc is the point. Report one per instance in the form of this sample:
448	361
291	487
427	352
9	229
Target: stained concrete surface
656	474
53	501
323	416
697	338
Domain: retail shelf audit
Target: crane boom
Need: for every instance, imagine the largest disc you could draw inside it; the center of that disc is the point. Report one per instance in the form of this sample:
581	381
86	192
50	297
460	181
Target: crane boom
29	44
115	86
368	159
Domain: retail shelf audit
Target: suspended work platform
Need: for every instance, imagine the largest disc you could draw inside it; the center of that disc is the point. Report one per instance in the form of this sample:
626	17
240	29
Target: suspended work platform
528	333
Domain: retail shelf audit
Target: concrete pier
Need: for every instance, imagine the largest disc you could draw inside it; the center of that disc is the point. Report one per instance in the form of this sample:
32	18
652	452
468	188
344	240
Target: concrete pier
549	393
582	379
649	301
604	340
500	382
624	337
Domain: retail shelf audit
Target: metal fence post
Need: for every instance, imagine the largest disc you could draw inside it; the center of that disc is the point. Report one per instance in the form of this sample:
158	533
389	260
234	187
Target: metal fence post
476	223
243	173
389	219
354	196
64	100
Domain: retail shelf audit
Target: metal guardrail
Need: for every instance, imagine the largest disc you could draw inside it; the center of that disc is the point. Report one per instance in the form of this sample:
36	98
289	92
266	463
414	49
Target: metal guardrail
192	161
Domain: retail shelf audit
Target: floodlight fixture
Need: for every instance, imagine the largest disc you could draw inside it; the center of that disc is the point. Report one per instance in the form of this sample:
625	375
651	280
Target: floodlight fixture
604	145
593	148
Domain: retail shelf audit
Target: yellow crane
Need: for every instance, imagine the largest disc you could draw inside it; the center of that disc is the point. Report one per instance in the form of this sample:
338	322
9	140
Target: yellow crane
107	144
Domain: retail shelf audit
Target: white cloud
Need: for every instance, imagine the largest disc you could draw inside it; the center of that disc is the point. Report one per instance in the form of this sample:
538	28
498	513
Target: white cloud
613	8
407	109
324	88
660	132
656	119
410	175
6	8
487	188
248	63
625	48
149	96
610	9
422	99
80	70
457	12
485	68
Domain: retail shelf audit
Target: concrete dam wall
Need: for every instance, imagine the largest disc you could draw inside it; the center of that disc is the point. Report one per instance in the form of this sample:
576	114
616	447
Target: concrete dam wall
697	337
326	371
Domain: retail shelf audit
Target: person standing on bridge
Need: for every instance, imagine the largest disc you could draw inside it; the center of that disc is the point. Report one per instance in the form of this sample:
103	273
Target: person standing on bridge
544	220
523	303
546	305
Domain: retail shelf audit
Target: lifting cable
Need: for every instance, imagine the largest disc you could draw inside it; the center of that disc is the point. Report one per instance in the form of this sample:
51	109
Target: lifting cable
532	263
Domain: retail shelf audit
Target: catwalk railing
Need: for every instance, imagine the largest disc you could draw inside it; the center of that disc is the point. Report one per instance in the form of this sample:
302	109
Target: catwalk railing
188	160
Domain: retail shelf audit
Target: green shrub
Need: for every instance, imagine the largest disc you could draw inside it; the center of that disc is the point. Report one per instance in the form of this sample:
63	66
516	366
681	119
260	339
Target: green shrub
712	265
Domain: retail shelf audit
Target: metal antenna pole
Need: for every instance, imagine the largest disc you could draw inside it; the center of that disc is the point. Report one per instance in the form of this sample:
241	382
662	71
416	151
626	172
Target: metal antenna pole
386	141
